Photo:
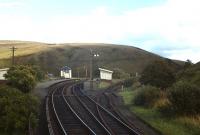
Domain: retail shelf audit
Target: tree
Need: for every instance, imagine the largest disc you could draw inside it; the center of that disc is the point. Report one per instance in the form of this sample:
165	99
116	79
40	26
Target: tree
39	74
190	73
21	77
188	64
158	74
17	111
184	98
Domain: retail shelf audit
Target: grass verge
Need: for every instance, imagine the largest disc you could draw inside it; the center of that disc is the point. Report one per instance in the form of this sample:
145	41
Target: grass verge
167	126
103	84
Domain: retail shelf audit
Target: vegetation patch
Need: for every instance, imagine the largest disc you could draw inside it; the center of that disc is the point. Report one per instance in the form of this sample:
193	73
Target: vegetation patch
182	125
184	98
18	111
18	107
147	96
103	84
159	74
24	77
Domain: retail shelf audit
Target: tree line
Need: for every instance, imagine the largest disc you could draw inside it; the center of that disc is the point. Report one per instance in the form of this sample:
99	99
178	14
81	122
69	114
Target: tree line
177	88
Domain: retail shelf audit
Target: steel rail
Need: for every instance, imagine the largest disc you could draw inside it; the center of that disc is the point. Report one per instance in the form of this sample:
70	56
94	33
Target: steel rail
76	113
51	115
50	127
85	106
60	124
124	124
119	114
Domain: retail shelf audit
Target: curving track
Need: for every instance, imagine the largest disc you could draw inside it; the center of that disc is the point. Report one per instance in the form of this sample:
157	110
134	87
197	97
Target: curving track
111	122
63	120
71	112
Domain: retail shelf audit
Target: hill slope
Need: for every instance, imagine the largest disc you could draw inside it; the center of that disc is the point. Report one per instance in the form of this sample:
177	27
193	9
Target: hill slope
52	57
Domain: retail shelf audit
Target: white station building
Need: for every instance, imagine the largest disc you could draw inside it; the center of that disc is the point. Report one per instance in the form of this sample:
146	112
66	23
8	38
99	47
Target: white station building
66	72
2	73
105	74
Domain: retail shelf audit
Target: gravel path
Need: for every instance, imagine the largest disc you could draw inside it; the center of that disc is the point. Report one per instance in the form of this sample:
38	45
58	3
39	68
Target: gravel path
41	88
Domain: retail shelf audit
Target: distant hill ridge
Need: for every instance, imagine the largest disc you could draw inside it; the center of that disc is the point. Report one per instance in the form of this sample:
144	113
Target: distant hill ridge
51	57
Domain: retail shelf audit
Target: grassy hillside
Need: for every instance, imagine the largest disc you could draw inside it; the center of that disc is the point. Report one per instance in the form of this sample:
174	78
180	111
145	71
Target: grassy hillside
23	48
52	57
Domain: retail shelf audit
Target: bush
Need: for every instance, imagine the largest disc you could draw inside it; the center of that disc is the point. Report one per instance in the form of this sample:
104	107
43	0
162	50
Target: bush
17	110
158	74
128	82
120	74
39	74
185	98
21	77
147	96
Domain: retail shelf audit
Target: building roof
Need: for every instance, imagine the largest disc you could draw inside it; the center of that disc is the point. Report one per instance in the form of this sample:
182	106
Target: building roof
65	68
106	70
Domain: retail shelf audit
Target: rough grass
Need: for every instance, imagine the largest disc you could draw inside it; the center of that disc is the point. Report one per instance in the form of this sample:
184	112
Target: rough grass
103	84
168	126
23	48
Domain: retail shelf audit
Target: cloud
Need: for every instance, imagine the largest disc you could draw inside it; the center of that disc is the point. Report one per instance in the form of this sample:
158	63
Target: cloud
11	4
184	54
169	29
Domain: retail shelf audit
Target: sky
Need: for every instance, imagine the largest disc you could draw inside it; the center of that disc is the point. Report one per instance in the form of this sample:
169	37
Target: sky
170	28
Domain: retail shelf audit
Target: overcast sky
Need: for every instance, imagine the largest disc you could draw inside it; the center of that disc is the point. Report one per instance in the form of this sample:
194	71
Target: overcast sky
170	28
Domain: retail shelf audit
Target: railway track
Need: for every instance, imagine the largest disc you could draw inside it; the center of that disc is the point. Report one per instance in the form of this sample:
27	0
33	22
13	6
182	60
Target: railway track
108	99
63	120
70	112
112	123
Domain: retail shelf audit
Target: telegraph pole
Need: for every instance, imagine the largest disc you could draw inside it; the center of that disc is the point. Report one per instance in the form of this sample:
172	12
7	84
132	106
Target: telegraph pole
13	49
92	55
91	64
91	69
85	68
78	72
86	72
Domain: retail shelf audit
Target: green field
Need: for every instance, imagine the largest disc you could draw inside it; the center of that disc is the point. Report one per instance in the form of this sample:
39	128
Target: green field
168	126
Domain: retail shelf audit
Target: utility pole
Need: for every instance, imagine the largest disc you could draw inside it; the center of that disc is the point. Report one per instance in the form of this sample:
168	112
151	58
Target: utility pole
78	72
91	64
92	55
13	49
86	72
85	68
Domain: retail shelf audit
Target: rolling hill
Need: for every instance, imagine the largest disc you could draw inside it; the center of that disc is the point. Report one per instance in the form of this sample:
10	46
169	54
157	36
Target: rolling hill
51	57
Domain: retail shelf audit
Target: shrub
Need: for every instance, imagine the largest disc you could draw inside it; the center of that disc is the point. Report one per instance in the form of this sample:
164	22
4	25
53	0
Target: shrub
166	110
185	98
147	96
158	74
17	111
21	77
39	74
128	82
120	74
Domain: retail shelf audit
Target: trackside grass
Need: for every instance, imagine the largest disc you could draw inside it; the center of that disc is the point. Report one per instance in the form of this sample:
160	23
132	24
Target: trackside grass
168	126
103	84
